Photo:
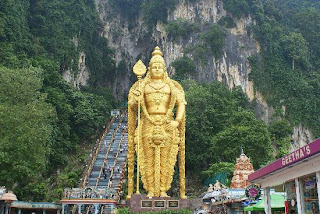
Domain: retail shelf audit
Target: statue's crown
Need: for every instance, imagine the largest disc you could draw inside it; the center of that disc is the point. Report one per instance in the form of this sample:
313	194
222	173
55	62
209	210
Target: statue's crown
157	57
157	51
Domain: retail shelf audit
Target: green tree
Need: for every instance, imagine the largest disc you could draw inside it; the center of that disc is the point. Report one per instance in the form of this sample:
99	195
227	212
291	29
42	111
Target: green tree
238	8
128	8
184	67
306	18
208	106
295	47
157	10
220	167
280	132
90	113
180	28
219	124
227	21
252	136
26	128
214	38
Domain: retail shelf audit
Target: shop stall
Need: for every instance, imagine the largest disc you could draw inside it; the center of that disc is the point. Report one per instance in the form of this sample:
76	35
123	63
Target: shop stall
299	175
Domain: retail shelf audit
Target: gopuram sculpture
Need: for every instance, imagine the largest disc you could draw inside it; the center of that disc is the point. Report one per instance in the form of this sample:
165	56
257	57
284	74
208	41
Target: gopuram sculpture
242	170
155	133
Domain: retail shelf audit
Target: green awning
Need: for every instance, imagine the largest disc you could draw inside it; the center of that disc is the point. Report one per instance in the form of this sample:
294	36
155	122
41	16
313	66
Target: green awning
277	203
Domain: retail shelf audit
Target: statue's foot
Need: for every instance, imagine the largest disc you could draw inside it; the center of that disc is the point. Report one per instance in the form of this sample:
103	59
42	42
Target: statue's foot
163	194
150	194
183	196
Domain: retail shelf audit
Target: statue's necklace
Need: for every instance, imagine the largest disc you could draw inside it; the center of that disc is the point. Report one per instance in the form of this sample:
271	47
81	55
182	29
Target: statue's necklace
157	86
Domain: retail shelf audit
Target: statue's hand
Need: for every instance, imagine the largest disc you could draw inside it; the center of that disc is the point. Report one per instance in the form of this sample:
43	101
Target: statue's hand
137	95
172	125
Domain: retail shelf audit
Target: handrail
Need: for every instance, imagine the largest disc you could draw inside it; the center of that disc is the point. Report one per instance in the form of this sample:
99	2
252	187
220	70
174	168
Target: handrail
93	159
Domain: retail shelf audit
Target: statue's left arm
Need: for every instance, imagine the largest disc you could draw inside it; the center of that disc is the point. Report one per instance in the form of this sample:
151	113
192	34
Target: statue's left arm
181	108
181	118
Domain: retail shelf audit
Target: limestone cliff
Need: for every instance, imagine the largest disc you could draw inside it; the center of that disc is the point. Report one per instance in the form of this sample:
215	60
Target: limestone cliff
131	43
81	77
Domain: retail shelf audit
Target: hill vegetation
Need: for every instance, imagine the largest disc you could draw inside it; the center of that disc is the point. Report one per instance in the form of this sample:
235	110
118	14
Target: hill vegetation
288	71
44	121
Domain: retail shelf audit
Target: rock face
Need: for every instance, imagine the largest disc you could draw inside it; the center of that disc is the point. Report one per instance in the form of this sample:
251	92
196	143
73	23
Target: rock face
301	136
134	41
131	43
80	78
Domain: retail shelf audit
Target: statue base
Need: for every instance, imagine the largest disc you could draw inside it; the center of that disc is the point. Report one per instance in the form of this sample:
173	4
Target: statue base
141	203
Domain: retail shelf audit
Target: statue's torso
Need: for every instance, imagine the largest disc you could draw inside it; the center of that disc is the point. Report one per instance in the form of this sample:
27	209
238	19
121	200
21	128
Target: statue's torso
157	97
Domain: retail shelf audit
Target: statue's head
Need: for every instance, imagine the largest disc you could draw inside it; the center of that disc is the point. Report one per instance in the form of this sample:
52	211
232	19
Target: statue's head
157	67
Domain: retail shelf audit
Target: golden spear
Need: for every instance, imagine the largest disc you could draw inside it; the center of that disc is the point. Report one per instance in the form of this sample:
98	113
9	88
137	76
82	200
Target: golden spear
139	69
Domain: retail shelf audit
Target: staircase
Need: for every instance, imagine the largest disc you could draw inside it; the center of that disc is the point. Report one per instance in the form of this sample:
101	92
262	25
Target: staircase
108	167
103	179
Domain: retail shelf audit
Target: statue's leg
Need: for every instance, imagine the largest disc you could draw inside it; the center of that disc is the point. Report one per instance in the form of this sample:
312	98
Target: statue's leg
182	169
148	168
130	166
172	161
168	161
164	170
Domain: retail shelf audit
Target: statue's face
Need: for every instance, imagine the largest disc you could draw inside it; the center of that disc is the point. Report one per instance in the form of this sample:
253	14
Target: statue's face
157	71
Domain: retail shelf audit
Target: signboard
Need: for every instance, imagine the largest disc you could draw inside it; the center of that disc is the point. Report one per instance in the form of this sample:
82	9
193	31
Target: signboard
253	192
294	157
310	184
236	193
159	203
146	203
35	205
173	203
115	112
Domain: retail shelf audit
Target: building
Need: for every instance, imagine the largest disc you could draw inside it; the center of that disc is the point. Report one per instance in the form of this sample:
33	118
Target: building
298	173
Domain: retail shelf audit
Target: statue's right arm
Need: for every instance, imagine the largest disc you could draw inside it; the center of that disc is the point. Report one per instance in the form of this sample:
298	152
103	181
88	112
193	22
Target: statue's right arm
132	109
133	98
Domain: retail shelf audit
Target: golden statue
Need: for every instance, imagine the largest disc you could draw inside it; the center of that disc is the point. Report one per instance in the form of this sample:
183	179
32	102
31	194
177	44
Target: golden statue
159	134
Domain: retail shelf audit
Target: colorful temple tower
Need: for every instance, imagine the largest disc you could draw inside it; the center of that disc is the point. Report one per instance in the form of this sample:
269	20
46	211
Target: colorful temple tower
242	170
